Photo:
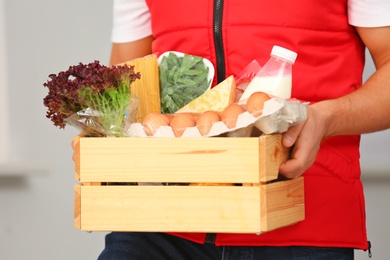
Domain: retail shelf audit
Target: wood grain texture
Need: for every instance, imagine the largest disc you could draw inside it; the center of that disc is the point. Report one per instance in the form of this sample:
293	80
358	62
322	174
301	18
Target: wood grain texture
232	209
77	206
282	203
171	208
104	202
271	155
216	160
76	157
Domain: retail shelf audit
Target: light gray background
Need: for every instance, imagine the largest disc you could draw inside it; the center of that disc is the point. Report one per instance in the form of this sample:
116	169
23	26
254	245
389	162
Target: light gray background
36	182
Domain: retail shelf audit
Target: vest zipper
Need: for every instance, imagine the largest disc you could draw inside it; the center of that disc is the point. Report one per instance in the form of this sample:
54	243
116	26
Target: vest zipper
218	43
369	249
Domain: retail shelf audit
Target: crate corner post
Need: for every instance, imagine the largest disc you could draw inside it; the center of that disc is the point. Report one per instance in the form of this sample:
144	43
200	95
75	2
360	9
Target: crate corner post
272	154
76	157
77	206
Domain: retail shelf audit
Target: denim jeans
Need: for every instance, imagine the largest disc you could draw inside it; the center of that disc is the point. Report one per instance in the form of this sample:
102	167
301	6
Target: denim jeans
160	246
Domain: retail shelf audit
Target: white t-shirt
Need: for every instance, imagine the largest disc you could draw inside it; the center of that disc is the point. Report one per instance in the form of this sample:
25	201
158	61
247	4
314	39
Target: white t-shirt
132	18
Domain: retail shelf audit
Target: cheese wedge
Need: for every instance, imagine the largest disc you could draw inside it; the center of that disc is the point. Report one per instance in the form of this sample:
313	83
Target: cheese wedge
217	98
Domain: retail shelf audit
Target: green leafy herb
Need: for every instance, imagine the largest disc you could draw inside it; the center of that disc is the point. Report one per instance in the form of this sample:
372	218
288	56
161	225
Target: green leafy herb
182	79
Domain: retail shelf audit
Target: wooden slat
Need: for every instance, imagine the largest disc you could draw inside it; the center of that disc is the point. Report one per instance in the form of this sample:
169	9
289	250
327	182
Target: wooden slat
171	208
168	160
282	204
220	160
233	209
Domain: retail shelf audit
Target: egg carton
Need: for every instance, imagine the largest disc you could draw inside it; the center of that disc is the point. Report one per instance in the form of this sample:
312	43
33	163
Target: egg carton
278	115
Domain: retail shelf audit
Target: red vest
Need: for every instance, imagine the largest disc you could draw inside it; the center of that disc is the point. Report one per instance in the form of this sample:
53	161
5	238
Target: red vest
329	64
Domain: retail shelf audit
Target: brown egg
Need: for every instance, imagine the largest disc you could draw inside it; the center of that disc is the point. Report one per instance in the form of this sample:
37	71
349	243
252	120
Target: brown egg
255	103
180	122
169	116
153	121
230	114
206	120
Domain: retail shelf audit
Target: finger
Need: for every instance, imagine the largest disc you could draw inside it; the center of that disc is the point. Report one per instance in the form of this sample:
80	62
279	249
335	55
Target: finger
302	157
291	135
297	164
291	169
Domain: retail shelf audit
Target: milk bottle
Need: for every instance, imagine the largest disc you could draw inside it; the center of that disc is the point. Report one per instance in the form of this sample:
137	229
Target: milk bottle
275	77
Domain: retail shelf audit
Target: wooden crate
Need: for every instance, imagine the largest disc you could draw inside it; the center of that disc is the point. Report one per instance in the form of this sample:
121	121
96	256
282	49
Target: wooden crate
256	203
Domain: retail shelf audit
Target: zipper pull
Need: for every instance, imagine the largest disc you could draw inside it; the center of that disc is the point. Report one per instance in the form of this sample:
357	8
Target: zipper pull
369	249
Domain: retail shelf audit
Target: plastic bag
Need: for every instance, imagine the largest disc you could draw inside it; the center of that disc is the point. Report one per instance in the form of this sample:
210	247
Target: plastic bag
94	123
245	77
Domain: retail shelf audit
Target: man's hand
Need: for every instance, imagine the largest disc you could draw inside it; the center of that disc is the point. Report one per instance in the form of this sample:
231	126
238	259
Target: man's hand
365	110
305	139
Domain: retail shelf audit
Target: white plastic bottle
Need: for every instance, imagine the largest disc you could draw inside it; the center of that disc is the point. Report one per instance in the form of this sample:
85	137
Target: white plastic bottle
275	77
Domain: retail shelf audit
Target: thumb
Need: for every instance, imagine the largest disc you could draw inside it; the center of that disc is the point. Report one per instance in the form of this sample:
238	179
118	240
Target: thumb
291	135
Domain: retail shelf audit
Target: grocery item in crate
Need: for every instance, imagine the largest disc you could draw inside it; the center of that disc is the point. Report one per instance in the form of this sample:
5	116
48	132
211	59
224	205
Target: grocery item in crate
146	88
183	78
277	116
275	77
245	77
217	98
92	97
